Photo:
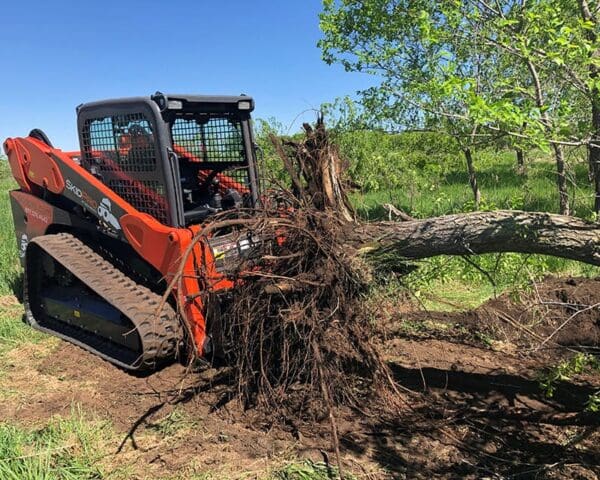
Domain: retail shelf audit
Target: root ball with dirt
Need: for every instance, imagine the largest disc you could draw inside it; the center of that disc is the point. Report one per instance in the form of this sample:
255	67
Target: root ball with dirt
297	336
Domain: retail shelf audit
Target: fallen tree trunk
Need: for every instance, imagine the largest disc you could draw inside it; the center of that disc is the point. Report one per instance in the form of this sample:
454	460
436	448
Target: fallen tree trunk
319	184
483	232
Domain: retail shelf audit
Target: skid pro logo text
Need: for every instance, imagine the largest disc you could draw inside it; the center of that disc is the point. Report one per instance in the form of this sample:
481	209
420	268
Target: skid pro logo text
85	197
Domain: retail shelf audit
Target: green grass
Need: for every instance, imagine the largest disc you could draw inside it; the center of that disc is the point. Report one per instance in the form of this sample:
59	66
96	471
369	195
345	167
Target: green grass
64	449
10	269
308	470
175	422
12	330
427	195
449	283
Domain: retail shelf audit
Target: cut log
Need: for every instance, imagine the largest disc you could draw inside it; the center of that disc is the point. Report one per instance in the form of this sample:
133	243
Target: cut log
483	232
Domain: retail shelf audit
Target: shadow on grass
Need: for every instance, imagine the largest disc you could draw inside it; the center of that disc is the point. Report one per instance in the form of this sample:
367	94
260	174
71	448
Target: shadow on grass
16	286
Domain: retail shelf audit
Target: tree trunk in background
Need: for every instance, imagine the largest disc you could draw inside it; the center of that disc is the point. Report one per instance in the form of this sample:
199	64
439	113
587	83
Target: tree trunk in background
472	177
591	167
482	232
594	149
520	161
561	180
594	152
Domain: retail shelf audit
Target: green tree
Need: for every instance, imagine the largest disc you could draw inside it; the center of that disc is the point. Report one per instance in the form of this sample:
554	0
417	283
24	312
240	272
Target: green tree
474	68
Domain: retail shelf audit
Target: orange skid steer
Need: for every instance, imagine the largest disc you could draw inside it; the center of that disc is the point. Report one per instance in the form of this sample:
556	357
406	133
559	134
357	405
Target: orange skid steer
101	232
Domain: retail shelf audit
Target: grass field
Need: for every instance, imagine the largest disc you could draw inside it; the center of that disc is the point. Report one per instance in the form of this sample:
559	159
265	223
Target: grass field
444	283
502	187
12	330
77	445
9	262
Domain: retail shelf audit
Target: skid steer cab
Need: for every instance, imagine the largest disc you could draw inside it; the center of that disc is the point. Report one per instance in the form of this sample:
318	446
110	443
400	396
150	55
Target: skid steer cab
102	232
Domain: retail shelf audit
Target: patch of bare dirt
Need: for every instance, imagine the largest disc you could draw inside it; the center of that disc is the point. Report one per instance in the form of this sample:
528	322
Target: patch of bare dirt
9	301
564	312
46	381
477	411
480	371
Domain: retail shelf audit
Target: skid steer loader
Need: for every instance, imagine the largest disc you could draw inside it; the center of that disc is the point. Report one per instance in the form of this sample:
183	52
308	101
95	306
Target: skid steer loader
102	231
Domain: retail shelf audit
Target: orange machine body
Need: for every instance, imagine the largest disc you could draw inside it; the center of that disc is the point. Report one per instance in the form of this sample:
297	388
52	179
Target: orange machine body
39	168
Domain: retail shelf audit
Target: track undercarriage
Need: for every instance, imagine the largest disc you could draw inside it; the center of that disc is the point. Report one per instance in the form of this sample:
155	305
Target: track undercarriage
73	292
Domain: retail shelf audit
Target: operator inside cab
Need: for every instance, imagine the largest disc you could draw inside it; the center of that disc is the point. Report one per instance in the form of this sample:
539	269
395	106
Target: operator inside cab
136	141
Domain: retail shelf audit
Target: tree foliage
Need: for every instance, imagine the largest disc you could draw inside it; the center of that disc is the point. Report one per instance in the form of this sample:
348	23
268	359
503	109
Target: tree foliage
478	70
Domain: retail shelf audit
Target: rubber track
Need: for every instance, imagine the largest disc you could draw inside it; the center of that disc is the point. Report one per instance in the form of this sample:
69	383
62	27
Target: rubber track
159	335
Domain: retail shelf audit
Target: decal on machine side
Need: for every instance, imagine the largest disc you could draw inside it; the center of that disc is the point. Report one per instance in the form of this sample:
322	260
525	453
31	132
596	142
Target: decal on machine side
88	201
44	219
23	245
73	188
103	209
106	215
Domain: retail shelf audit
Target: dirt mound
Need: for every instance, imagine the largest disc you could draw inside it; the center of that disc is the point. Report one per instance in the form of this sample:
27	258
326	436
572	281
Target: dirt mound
558	312
563	312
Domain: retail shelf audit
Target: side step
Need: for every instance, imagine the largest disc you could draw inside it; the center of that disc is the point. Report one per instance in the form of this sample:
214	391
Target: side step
72	292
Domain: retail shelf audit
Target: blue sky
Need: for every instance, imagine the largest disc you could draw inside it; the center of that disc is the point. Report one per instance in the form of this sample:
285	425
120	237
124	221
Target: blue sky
57	54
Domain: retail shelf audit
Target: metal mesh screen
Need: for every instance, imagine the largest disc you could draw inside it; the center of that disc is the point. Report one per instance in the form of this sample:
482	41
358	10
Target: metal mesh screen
147	196
216	141
120	143
121	151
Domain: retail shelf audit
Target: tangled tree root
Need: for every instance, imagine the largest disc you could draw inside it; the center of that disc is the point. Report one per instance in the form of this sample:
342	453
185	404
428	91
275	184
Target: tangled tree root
296	323
293	330
297	336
